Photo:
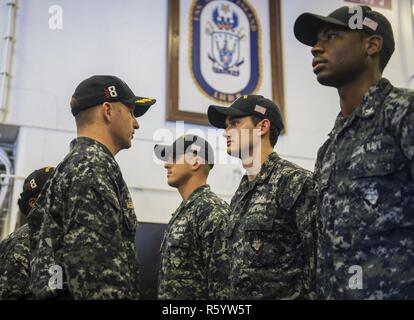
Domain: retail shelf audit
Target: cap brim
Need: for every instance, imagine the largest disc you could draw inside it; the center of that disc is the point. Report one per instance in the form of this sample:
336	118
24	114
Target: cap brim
162	152
166	152
308	25
217	115
141	105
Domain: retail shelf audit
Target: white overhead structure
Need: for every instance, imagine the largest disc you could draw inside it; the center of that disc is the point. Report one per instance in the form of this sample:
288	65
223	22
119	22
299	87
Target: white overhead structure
6	65
8	138
5	185
407	7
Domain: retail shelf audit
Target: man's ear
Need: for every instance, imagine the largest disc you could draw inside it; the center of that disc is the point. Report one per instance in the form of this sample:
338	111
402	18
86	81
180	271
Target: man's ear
374	45
264	127
197	163
108	111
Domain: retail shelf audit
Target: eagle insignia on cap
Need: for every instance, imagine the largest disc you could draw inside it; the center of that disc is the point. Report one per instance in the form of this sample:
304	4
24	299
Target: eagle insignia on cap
143	100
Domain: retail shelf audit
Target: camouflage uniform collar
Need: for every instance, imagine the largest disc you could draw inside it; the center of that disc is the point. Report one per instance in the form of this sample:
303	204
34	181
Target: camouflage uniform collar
196	193
339	124
267	167
264	173
371	102
85	141
185	204
374	98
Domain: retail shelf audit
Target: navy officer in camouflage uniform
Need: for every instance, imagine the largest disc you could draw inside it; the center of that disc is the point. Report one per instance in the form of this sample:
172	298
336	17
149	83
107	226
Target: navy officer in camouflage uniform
270	233
14	250
83	225
365	169
193	258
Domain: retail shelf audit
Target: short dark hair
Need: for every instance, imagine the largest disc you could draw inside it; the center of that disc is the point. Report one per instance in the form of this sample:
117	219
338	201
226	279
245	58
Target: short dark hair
206	166
85	117
273	133
384	57
207	169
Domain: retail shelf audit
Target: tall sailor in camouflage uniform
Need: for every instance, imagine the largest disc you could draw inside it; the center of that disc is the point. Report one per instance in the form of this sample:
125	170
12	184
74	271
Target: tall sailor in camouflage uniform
270	234
365	169
14	250
193	258
84	221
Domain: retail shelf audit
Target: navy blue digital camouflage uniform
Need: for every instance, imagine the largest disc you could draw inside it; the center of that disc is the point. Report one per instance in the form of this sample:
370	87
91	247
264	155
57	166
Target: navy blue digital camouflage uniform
194	262
364	174
14	265
84	222
271	234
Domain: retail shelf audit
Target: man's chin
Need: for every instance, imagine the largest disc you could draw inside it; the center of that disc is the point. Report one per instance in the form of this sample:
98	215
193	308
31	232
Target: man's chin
125	146
326	80
171	183
127	143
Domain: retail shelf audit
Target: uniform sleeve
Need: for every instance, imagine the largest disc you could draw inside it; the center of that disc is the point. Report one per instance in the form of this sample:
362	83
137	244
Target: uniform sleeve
87	242
305	212
14	269
407	137
214	249
318	165
93	249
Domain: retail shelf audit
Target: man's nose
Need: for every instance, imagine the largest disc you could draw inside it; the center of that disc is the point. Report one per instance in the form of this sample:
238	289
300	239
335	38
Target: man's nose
317	49
136	124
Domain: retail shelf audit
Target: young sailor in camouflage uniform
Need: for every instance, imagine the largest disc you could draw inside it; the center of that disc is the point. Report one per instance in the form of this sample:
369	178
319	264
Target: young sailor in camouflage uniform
365	169
193	258
84	223
14	250
270	234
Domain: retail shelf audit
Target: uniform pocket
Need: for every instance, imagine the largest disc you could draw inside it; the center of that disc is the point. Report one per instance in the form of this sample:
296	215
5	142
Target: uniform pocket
371	185
258	223
376	158
372	165
178	250
258	241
